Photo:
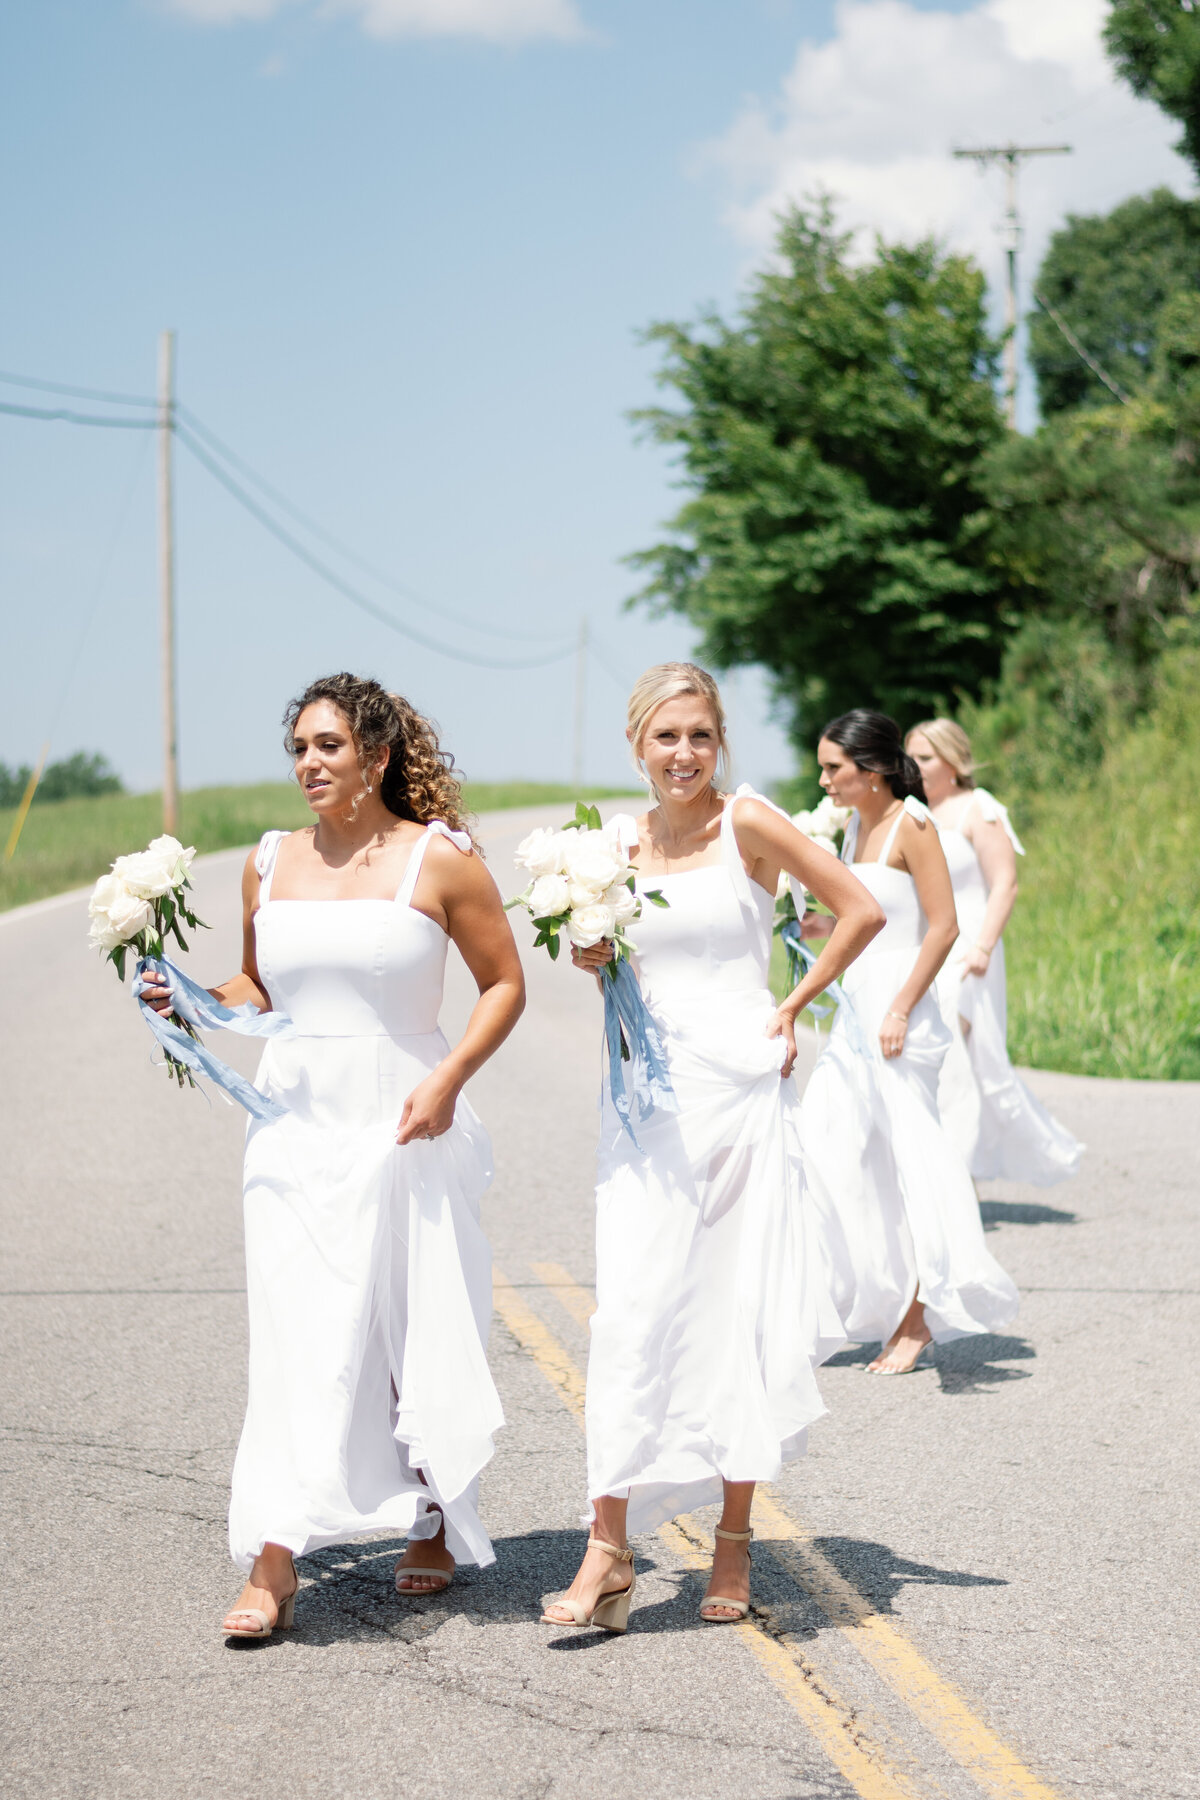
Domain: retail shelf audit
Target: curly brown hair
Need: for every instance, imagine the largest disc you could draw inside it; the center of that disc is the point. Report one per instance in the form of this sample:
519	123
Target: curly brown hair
419	782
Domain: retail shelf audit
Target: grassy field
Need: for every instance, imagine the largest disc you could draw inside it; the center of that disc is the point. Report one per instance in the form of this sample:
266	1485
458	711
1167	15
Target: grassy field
68	843
1104	946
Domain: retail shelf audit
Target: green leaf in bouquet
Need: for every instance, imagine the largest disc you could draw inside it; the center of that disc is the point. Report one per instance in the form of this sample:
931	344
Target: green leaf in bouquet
117	958
656	897
552	945
166	912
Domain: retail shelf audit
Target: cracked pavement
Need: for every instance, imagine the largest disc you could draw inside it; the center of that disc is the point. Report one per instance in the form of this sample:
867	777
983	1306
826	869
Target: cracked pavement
1024	1512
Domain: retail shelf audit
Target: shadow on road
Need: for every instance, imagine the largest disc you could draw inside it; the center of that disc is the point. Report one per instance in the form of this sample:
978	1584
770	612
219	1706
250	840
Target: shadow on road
881	1576
1023	1212
969	1365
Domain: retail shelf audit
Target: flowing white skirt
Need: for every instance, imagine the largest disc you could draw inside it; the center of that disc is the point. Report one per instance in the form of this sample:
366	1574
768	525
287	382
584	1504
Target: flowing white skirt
1003	1131
711	1312
369	1289
898	1209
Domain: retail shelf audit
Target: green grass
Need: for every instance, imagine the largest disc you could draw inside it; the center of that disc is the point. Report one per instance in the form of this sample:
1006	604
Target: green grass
68	843
1104	945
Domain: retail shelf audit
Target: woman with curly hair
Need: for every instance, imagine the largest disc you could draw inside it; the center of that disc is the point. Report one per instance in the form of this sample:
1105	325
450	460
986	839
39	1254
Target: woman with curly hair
370	1403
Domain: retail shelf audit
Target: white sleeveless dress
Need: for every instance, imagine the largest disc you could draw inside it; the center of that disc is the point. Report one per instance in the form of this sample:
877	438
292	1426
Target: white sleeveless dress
898	1208
368	1275
1004	1132
710	1308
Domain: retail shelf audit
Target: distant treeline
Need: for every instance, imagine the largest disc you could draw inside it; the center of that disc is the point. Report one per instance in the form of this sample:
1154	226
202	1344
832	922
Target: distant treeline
86	773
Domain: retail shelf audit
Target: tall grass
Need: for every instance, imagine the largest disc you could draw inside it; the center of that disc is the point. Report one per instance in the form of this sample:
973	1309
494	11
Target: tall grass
1104	945
67	843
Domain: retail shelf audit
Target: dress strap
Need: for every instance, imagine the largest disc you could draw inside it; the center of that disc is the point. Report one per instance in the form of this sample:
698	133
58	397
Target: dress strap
912	806
850	838
435	828
731	856
264	861
993	811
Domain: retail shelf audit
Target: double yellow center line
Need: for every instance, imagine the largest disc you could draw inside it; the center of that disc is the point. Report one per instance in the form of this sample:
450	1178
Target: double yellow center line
931	1700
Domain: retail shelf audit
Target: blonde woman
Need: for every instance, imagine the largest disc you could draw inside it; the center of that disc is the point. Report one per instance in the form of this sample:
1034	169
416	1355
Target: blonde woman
368	1277
1001	1129
710	1311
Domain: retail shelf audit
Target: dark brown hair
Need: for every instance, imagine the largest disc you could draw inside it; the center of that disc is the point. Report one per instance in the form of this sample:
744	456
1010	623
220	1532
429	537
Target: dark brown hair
419	782
873	742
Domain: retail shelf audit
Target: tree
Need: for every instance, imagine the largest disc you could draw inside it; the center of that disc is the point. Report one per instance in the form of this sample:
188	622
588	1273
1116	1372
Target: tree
838	532
1098	514
1110	277
1155	46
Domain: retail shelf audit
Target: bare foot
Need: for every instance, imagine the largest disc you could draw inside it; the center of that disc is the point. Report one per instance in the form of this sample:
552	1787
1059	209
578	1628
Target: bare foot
271	1581
599	1574
425	1553
730	1577
899	1355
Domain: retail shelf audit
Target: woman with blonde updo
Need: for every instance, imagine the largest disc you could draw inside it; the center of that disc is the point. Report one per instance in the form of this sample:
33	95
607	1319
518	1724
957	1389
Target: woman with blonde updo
710	1309
1001	1129
368	1277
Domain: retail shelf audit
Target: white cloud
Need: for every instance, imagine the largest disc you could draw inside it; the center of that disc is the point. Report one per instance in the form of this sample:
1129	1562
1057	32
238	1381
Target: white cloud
500	21
872	115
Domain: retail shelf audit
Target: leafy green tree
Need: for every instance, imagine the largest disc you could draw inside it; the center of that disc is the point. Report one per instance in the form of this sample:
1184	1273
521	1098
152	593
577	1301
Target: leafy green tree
1098	514
1155	45
83	774
832	437
1110	277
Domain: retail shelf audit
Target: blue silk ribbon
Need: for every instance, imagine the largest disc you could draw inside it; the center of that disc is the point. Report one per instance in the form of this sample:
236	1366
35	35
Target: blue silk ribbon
197	1007
626	1011
802	958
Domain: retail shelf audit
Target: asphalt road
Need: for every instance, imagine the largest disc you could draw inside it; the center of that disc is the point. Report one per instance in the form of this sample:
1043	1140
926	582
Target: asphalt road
980	1582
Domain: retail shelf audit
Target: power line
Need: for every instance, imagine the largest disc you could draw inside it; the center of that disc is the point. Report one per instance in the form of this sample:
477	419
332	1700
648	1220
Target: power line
1114	387
318	531
74	418
361	600
80	393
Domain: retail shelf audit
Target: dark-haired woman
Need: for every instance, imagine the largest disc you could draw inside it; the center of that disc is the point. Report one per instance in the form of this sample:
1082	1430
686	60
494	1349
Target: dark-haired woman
901	1222
370	1403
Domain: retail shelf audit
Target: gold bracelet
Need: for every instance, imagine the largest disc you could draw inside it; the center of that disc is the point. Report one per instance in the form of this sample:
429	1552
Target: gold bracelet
903	1017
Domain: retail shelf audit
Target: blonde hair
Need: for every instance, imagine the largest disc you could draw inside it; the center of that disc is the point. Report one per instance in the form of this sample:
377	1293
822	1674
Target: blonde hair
669	681
951	743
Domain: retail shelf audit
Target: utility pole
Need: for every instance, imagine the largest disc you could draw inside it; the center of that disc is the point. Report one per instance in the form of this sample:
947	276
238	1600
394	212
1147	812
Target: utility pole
166	577
580	702
1009	157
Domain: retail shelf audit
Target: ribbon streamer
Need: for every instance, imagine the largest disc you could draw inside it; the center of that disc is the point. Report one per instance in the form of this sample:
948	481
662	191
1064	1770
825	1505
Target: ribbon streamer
196	1006
800	960
626	1011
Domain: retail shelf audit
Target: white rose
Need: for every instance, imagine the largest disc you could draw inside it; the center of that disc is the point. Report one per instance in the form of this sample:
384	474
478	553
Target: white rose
116	914
175	858
589	924
622	900
152	873
828	818
549	896
542	852
593	863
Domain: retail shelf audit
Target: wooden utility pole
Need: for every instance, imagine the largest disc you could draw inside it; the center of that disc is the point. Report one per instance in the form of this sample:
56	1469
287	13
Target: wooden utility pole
166	577
580	702
1009	157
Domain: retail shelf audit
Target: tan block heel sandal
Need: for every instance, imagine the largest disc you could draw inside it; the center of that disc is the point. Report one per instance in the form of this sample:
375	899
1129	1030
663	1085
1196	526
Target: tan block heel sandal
611	1611
740	1607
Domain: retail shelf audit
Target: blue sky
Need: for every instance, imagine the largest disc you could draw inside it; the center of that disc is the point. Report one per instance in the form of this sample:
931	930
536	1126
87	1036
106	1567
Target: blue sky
408	246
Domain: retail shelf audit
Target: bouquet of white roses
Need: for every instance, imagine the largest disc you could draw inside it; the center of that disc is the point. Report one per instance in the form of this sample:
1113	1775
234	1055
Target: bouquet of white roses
582	882
138	906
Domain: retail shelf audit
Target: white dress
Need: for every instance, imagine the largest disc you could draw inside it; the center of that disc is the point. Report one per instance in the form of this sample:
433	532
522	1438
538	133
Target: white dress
899	1213
710	1312
368	1275
1003	1131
